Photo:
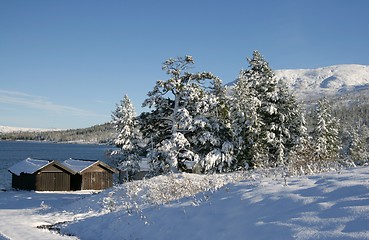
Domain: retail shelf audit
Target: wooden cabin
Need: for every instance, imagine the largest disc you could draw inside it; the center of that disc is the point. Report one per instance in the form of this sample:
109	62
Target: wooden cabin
41	175
90	174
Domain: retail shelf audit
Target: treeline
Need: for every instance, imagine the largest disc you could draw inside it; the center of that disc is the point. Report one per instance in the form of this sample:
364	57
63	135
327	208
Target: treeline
103	134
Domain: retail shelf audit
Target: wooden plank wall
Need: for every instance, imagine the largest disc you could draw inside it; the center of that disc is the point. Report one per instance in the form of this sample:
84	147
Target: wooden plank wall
96	180
53	181
53	178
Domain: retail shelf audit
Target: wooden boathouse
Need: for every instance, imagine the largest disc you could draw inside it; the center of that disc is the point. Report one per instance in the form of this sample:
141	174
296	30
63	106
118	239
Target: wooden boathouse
90	174
41	175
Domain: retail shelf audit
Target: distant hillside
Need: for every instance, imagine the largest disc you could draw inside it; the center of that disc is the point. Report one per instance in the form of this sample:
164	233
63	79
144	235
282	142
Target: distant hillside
7	129
326	81
346	86
307	84
103	133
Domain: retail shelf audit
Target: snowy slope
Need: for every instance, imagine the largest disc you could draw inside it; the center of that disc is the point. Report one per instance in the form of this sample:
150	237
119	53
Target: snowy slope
325	206
306	83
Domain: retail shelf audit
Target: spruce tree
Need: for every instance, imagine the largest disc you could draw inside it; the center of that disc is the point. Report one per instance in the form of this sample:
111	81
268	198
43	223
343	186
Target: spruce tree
265	115
325	133
246	121
301	156
358	150
128	139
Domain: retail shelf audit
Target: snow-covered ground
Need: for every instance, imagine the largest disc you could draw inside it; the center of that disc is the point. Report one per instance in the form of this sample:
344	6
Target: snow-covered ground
185	206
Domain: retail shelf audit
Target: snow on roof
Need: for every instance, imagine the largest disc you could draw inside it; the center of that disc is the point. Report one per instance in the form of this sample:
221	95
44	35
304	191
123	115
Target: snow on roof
29	166
78	165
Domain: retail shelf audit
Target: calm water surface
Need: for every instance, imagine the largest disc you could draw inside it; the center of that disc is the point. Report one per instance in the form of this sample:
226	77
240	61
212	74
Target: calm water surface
13	152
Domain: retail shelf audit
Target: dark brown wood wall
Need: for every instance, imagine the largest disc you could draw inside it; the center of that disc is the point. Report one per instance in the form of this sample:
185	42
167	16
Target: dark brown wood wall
53	181
96	180
53	178
24	181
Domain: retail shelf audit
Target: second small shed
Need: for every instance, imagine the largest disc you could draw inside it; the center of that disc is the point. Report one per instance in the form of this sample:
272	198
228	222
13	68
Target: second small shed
90	174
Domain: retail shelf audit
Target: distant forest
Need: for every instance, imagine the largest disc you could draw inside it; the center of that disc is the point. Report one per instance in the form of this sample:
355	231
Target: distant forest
102	134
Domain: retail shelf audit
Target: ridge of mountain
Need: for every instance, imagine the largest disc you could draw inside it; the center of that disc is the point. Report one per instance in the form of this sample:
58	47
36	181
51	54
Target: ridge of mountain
311	84
325	81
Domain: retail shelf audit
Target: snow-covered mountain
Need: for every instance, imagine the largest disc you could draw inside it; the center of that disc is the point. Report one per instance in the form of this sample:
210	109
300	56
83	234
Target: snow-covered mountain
311	83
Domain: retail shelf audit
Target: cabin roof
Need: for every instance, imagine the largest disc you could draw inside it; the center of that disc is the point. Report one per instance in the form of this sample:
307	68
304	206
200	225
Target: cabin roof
80	165
30	166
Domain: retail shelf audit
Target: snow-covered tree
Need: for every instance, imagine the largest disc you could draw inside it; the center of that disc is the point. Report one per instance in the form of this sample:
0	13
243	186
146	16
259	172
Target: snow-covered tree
301	156
291	120
128	140
357	146
265	116
246	121
186	109
325	132
211	129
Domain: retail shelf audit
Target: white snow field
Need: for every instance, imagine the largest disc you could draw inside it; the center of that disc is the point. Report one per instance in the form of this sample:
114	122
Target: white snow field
324	206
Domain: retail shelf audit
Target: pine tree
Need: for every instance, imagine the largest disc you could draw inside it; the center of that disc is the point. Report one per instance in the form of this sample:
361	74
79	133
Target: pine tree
128	139
188	120
211	134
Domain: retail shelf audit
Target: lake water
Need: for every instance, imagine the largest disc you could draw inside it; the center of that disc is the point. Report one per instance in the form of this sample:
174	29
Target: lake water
13	152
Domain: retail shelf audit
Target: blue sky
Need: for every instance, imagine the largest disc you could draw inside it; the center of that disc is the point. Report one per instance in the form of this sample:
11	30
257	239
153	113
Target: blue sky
66	64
